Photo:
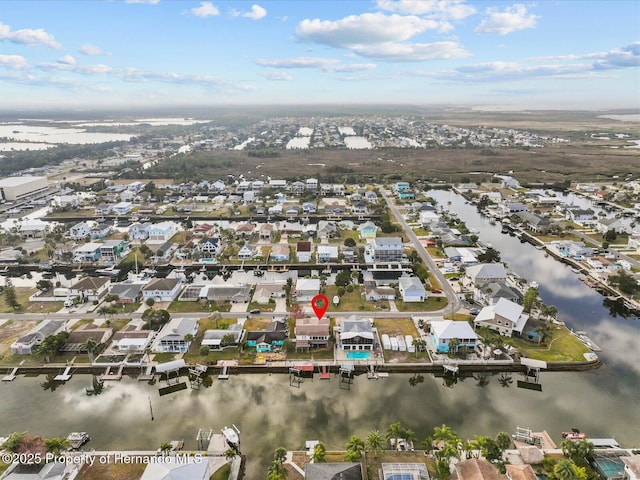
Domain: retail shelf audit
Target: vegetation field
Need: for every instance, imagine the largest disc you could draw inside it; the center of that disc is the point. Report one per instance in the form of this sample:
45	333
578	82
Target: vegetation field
112	471
561	347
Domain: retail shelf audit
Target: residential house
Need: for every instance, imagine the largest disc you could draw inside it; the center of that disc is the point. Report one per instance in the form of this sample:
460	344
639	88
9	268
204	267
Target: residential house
77	339
10	255
162	252
113	250
306	289
219	339
477	469
356	334
162	232
104	209
279	252
246	252
37	471
266	291
312	184
311	332
620	225
278	183
490	293
292	229
297	187
405	195
29	343
291	210
91	288
402	187
462	255
203	230
534	222
211	246
275	209
411	289
521	472
327	253
131	340
484	273
504	317
429	218
308	207
326	230
569	248
173	336
79	231
243	186
162	289
139	231
371	197
127	293
304	251
33	228
100	230
265	231
273	336
444	331
508	182
368	230
581	216
248	197
509	208
333	471
387	249
257	185
374	293
631	467
122	208
226	293
359	208
245	230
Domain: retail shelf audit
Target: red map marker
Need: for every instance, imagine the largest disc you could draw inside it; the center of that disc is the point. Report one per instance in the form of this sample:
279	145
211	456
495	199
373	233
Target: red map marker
319	310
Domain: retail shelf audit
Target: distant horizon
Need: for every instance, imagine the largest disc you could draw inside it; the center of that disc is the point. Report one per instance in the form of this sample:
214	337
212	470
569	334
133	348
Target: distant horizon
509	55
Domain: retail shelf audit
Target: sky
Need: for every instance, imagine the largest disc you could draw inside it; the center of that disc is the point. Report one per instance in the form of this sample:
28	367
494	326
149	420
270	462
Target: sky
544	54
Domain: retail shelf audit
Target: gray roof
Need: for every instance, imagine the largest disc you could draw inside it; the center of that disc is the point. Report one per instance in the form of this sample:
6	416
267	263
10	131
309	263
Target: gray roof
178	327
43	329
166	284
411	283
126	290
388	242
487	270
333	471
37	472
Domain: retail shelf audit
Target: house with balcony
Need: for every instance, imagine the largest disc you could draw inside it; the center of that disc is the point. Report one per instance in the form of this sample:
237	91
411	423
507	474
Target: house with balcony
484	273
368	230
387	249
139	231
122	208
355	333
80	230
280	252
265	231
89	252
312	184
273	336
505	317
113	250
162	289
173	337
311	333
444	331
327	253
100	230
29	343
246	252
211	247
161	232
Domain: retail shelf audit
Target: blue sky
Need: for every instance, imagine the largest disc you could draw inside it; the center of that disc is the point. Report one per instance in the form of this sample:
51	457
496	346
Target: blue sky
116	53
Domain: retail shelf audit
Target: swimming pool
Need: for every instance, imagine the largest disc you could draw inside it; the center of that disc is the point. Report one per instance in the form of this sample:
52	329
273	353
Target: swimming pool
358	355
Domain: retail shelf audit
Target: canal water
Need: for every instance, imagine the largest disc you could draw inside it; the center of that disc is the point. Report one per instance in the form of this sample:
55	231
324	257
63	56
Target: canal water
270	413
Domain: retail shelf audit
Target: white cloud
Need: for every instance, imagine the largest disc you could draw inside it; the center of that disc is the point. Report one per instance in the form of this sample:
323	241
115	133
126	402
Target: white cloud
67	60
412	52
80	69
206	9
256	13
444	9
92	50
28	36
14	62
277	76
325	64
509	20
365	29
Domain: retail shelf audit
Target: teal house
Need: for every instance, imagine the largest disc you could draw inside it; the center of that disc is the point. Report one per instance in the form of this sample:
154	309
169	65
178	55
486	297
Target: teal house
272	337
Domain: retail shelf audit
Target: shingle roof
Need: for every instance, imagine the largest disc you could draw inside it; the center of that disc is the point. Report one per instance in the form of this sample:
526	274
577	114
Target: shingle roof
333	471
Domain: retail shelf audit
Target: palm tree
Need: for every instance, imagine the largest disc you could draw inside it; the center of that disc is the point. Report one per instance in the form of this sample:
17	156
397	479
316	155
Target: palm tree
50	383
505	380
230	454
565	470
48	347
583	449
442	469
444	433
394	431
427	444
90	345
280	455
165	448
355	447
375	441
454	345
188	338
56	445
319	453
503	439
568	448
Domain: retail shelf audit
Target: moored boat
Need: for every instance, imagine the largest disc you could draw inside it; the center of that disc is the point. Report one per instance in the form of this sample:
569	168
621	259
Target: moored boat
574	434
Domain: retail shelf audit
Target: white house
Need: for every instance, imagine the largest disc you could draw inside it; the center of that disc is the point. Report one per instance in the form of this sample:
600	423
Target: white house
306	289
327	253
356	334
484	273
171	337
91	288
177	468
162	289
505	317
162	232
246	252
443	331
312	184
122	208
139	231
411	289
80	230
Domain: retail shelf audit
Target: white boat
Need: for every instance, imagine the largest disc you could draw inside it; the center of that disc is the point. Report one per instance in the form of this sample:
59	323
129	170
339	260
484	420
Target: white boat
78	439
231	435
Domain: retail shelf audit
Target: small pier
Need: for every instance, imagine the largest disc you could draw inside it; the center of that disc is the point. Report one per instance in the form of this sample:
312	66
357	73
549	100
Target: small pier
452	369
584	338
64	376
347	371
112	376
224	375
147	376
371	373
11	376
324	373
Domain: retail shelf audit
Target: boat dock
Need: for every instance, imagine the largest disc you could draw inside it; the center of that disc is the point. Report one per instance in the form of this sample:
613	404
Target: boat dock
11	376
590	344
147	375
64	376
117	376
324	373
224	375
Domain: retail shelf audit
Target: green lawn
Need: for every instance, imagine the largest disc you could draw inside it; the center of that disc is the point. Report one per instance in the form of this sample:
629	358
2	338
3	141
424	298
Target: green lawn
193	356
432	303
222	473
22	297
349	302
395	326
263	307
315	354
562	347
200	306
164	357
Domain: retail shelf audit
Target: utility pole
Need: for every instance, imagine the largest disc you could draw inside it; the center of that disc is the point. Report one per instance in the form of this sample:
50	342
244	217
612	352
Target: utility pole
150	408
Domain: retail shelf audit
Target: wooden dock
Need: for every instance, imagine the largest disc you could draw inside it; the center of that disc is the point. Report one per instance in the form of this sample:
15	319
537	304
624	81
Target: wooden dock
147	375
224	375
64	376
324	373
107	375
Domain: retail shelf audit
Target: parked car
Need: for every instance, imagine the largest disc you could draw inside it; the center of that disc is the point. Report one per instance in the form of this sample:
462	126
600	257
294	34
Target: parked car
436	290
255	311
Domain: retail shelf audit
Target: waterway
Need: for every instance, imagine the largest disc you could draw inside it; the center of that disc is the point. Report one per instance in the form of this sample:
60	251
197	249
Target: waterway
270	413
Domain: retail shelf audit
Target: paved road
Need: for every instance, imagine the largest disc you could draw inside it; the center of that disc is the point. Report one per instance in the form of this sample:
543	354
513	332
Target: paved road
454	303
588	240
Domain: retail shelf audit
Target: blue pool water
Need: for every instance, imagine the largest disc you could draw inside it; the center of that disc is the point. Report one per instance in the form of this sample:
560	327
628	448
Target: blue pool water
362	355
532	335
